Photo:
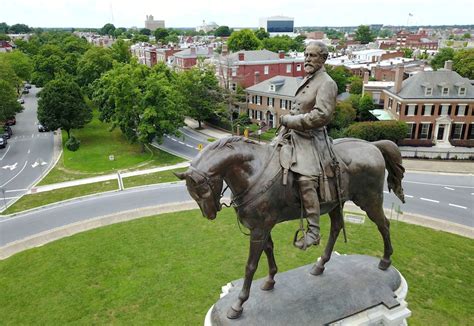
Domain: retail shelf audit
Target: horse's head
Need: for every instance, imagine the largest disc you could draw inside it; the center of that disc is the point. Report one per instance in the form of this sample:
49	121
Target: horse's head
204	189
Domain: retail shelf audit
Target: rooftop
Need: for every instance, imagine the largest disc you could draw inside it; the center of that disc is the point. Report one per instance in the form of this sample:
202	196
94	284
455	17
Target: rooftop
283	86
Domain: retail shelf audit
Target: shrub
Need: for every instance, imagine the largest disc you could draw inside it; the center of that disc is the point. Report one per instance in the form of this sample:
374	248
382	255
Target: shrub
73	144
377	130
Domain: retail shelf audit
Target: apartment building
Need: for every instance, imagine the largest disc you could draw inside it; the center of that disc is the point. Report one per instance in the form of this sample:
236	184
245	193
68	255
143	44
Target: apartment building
437	105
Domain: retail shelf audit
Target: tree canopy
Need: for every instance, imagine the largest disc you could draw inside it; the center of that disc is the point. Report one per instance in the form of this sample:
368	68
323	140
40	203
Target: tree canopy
93	64
340	75
356	85
161	34
8	103
243	40
443	55
107	29
261	33
363	34
463	63
222	31
283	43
62	105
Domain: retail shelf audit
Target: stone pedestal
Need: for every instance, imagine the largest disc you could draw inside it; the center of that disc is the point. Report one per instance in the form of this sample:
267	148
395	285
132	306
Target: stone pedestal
351	291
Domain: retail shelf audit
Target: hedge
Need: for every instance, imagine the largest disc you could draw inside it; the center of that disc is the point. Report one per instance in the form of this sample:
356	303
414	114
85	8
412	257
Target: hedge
377	130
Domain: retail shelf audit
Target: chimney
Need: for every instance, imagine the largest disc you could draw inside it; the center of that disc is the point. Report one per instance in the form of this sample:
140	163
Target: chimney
398	78
210	50
281	54
366	77
193	51
448	65
241	56
224	49
257	78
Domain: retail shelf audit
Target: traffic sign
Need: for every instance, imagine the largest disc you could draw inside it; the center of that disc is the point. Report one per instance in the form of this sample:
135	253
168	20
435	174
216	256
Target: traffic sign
200	147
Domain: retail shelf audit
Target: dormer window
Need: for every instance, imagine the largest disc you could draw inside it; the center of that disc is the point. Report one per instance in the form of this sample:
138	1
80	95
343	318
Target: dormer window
462	91
428	91
445	91
272	87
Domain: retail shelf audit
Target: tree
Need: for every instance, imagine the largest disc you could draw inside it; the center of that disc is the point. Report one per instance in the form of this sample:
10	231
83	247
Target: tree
172	38
340	75
20	63
377	130
384	33
140	38
466	36
333	34
222	31
161	34
8	103
344	115
119	32
93	64
120	51
19	29
200	89
363	34
407	52
4	37
356	85
463	63
145	31
283	43
261	34
366	104
62	105
107	29
8	75
443	55
243	40
4	28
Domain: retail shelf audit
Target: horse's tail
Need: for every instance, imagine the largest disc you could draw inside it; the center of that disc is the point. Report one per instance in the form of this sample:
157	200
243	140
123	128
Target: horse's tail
393	164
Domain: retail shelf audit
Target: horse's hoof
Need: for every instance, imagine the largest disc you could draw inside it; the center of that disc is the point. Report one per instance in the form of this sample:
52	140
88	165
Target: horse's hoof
384	264
317	270
233	313
268	285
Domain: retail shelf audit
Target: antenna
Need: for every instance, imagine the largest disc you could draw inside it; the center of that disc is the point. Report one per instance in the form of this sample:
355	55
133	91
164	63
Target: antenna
111	13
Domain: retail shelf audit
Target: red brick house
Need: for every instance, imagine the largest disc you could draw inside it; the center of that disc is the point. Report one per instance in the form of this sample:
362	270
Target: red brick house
5	46
437	105
188	58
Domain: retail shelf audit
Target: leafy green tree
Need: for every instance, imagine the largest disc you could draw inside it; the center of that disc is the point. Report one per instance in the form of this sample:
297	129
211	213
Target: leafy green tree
340	75
261	34
62	105
120	51
93	64
466	36
4	37
344	115
161	34
333	34
283	43
140	38
172	38
21	64
8	75
407	52
74	44
200	89
19	29
356	85
385	33
443	55
119	32
4	28
107	29
366	104
363	34
145	31
243	40
47	64
222	31
377	130
8	103
463	63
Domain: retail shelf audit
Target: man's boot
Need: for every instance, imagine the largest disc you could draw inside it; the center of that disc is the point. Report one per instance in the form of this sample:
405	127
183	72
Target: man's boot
309	195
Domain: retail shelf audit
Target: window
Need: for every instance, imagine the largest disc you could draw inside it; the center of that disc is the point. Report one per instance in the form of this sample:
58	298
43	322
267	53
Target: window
425	128
283	104
234	71
270	101
428	91
444	109
427	109
298	67
272	87
265	70
457	131
462	91
259	100
411	129
445	91
461	110
398	107
411	110
288	69
470	132
390	102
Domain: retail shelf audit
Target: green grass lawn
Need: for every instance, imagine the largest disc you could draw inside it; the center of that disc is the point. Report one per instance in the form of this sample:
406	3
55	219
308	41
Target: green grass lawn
53	196
151	178
169	269
92	158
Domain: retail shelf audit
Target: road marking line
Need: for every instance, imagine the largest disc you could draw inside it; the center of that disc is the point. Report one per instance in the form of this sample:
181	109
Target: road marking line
408	196
16	190
189	146
24	166
8	148
29	151
173	139
181	143
385	192
457	206
448	188
431	200
437	184
32	135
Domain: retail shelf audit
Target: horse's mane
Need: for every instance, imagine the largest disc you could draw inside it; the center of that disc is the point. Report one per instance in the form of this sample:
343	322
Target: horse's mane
227	142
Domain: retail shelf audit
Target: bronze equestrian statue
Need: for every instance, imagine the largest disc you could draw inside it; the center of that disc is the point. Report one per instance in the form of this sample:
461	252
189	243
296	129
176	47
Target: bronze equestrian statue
268	187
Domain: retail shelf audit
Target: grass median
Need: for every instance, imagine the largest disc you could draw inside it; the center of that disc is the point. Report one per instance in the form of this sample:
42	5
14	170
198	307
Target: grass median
169	270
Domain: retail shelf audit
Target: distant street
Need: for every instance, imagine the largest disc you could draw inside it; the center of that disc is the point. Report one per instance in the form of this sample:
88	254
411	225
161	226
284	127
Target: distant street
27	155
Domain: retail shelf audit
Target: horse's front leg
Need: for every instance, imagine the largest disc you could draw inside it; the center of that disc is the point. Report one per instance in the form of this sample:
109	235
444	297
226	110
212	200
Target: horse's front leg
258	239
272	267
336	226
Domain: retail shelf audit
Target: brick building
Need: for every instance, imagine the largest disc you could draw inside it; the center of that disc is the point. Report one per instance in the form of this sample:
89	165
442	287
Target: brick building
247	68
188	58
166	55
437	105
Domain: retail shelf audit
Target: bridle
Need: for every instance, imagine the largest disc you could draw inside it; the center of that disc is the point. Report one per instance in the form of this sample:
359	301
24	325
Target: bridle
207	181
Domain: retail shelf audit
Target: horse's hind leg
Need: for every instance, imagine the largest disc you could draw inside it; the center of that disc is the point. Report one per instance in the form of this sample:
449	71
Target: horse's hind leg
272	267
376	214
336	226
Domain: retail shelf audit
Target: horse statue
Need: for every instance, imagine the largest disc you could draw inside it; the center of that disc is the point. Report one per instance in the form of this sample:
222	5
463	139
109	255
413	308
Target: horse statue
253	173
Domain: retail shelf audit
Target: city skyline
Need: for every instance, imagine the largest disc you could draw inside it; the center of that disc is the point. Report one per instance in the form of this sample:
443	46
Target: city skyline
94	13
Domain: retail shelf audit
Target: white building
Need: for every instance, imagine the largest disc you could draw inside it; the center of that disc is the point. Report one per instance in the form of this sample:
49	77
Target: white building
278	25
207	27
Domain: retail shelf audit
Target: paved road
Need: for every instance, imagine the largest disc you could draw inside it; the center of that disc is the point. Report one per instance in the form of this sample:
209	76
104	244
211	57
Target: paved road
185	146
28	154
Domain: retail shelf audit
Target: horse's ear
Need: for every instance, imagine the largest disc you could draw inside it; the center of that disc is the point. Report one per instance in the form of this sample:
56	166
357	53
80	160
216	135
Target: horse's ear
181	175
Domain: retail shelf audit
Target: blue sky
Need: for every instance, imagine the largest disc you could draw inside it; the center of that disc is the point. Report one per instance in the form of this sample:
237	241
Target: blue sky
241	13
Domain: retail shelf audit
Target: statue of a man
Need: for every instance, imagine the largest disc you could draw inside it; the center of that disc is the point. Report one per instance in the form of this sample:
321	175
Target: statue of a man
312	110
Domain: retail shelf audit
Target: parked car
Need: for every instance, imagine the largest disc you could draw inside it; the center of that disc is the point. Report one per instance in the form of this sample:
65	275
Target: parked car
28	86
11	121
42	128
3	142
7	131
25	91
21	101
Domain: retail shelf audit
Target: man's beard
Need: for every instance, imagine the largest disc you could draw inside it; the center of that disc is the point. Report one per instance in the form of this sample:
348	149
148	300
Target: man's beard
310	68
